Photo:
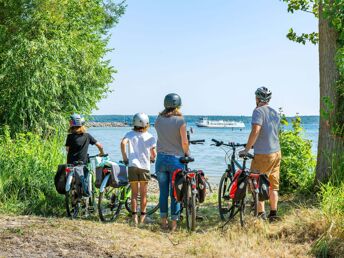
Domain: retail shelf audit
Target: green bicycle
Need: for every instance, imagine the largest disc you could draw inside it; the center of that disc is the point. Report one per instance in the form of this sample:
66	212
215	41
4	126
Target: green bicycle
113	198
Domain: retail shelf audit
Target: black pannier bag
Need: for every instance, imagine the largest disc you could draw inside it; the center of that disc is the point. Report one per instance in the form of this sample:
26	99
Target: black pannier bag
60	179
81	180
240	192
201	187
264	187
99	176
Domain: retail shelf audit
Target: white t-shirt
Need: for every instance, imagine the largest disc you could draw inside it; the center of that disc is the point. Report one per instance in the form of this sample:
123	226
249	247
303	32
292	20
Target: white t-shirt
139	145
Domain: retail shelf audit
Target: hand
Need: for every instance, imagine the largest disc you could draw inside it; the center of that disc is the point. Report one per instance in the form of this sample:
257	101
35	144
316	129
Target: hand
243	153
125	162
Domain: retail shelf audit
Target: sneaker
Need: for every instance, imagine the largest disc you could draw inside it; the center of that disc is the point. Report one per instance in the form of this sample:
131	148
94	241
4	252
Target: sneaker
274	218
262	215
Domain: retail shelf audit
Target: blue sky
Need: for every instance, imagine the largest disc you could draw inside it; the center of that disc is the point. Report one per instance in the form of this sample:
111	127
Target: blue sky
212	53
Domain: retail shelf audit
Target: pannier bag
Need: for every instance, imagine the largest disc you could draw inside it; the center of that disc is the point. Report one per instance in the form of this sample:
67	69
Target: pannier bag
240	192
99	176
264	185
234	185
118	174
178	182
81	180
60	179
202	186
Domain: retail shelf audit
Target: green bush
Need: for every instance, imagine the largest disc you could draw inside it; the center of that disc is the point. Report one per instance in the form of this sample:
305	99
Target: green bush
298	161
27	166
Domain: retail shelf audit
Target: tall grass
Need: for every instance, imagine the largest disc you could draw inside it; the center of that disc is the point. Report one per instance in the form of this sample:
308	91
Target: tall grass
332	205
27	166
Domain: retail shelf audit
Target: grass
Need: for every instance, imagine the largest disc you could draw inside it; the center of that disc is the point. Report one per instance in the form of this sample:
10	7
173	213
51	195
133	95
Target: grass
302	224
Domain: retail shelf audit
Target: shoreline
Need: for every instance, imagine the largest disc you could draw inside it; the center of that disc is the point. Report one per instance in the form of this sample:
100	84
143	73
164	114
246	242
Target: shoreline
107	124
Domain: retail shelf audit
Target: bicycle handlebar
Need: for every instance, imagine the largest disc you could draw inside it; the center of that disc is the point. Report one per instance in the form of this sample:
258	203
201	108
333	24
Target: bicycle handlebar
197	141
230	144
248	155
94	156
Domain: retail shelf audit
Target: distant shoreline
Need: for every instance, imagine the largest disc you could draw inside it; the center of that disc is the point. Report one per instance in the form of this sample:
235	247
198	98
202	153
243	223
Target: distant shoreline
106	124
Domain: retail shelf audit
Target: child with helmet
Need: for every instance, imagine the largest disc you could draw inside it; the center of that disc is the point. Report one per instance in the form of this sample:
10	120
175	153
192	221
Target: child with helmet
78	140
141	151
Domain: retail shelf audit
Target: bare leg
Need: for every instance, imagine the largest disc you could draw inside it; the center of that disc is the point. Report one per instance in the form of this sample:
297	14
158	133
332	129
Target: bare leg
134	194
273	200
174	225
261	207
143	194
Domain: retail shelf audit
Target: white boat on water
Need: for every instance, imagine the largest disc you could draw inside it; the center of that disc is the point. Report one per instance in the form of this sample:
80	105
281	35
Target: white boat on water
204	122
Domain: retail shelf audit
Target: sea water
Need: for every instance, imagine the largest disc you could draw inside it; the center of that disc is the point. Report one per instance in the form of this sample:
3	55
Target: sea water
209	158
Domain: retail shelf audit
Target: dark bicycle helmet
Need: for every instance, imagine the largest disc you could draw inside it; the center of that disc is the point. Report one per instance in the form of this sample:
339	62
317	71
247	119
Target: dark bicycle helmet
76	120
263	94
172	100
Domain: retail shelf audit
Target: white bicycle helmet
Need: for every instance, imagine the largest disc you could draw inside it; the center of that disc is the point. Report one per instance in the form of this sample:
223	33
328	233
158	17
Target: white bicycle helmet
140	120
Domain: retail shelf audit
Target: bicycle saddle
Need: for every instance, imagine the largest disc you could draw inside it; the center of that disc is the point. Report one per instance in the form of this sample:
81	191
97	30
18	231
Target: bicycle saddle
186	160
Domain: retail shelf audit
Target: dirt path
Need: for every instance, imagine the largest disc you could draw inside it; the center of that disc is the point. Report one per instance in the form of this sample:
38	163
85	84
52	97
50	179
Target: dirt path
29	236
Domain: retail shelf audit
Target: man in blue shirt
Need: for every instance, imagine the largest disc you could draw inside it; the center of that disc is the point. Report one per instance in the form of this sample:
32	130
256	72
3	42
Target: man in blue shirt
267	151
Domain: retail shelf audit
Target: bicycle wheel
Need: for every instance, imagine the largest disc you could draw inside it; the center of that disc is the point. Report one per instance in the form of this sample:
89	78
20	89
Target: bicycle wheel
71	203
153	193
248	207
224	202
109	206
190	209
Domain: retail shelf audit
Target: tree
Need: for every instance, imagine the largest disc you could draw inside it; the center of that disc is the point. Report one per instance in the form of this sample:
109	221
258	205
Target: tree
331	68
52	60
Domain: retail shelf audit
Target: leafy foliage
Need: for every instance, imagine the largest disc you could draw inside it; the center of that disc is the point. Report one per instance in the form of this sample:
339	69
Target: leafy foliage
28	163
298	162
52	60
333	12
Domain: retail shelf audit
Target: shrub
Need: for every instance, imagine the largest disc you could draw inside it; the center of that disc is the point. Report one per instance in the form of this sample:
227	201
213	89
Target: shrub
27	165
298	161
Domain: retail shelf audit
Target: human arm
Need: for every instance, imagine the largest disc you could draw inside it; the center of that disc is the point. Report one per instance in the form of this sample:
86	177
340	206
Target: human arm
253	137
100	148
152	154
124	143
184	138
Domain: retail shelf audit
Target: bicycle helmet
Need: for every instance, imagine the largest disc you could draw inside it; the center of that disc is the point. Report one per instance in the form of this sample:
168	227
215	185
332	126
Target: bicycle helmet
263	94
172	100
76	120
140	120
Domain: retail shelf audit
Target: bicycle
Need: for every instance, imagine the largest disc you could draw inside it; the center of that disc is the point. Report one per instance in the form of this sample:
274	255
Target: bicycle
190	189
112	199
80	194
229	204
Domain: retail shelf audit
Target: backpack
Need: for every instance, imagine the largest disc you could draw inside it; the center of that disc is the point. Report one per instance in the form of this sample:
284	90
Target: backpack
264	185
240	192
178	184
82	181
60	179
202	186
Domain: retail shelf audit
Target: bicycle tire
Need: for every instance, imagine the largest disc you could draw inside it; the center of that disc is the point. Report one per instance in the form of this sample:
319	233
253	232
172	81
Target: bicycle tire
222	201
252	200
108	200
153	193
190	208
193	211
72	211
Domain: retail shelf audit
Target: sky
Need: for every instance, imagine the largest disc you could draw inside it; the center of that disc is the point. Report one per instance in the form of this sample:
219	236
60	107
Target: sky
214	54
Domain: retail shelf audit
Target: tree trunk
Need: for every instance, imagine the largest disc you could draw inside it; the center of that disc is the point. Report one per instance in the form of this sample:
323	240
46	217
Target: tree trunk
328	144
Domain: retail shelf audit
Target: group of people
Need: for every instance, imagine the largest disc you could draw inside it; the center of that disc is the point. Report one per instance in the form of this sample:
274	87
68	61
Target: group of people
139	149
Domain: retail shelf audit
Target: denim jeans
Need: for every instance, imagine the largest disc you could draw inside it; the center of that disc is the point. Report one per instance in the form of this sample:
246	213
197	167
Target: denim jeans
164	167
